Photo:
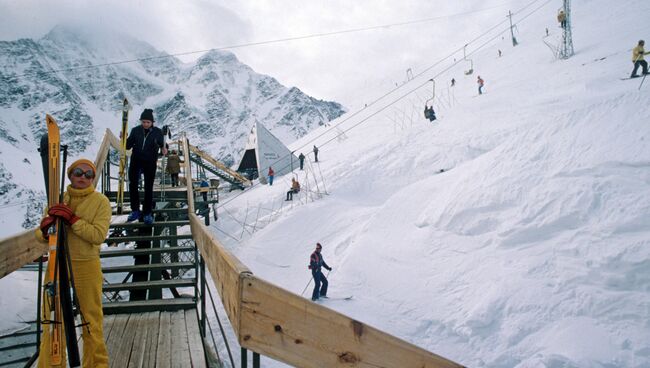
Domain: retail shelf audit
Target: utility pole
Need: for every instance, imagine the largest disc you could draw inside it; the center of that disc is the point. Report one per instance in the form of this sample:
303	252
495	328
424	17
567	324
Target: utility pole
512	33
566	48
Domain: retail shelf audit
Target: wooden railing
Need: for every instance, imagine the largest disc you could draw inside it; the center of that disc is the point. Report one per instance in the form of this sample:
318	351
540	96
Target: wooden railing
284	326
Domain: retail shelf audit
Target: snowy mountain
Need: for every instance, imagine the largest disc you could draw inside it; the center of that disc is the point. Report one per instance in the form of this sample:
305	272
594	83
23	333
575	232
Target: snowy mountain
215	100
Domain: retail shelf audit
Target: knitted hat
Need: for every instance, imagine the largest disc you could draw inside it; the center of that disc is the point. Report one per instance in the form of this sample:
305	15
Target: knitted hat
147	114
79	162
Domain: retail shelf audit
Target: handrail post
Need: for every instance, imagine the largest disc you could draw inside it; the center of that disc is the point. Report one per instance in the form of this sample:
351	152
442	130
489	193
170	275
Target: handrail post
256	360
244	358
203	286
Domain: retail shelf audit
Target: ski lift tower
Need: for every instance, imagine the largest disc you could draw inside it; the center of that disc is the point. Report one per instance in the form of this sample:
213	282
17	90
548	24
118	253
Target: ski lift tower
566	47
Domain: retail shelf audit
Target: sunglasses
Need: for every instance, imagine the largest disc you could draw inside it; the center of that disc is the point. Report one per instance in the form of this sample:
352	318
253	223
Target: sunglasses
79	173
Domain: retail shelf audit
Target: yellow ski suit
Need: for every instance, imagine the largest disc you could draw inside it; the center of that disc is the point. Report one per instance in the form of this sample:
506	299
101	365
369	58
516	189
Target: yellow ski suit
84	238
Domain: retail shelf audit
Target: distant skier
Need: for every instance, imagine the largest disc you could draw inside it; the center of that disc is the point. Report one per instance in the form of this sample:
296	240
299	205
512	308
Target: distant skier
144	140
86	214
302	160
638	60
561	18
499	53
295	188
316	261
546	32
173	167
271	175
315	153
453	82
480	83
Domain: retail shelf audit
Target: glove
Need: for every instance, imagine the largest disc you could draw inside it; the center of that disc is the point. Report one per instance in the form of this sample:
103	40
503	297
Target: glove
64	212
329	268
46	224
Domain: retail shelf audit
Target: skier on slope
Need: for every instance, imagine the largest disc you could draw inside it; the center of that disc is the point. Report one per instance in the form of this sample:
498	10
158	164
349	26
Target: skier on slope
87	216
480	83
638	60
316	261
144	140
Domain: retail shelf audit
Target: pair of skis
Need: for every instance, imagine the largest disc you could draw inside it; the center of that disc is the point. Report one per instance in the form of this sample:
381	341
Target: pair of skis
56	293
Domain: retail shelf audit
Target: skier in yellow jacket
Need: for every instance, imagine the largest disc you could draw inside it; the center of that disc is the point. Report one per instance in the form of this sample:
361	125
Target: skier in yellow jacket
87	215
637	59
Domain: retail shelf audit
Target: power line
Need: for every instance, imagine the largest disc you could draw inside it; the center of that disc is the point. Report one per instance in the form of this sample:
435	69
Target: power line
267	42
410	81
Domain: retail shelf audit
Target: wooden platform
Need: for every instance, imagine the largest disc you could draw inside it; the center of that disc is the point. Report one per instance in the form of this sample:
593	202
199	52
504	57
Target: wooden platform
154	339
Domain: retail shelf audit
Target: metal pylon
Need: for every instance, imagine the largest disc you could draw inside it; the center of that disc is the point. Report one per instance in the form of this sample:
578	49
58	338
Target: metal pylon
566	47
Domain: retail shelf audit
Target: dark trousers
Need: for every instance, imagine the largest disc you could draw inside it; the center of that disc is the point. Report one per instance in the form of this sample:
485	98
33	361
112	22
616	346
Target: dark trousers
316	156
480	90
174	179
640	63
137	167
320	284
290	194
302	162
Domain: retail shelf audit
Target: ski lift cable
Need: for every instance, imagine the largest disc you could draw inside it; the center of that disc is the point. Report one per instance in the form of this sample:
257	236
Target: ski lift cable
266	42
478	48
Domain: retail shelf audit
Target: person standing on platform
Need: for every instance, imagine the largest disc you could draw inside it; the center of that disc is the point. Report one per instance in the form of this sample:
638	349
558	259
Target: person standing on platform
302	160
86	214
144	141
174	167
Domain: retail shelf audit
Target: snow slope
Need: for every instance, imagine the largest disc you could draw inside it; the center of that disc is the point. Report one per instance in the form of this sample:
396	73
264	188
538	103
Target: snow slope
532	249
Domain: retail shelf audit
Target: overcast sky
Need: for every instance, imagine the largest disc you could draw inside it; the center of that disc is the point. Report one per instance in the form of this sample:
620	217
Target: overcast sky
351	68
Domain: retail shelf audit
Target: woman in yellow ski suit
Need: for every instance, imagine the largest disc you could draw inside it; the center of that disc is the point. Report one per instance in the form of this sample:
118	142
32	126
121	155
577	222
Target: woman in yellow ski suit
87	215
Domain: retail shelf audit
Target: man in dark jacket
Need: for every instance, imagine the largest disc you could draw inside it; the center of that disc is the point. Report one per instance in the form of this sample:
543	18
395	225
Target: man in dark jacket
316	261
144	141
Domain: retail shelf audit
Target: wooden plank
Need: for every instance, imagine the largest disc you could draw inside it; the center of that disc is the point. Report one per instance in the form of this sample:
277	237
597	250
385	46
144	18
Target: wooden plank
108	326
102	154
126	239
153	328
163	356
180	348
123	353
18	250
292	329
115	338
141	306
225	269
197	354
147	267
139	341
139	285
144	251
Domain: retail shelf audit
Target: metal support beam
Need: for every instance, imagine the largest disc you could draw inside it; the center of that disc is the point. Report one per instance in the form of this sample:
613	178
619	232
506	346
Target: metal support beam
512	33
256	360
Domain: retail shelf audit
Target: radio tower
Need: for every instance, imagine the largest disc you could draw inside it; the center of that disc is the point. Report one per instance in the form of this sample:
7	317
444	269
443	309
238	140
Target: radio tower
566	48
